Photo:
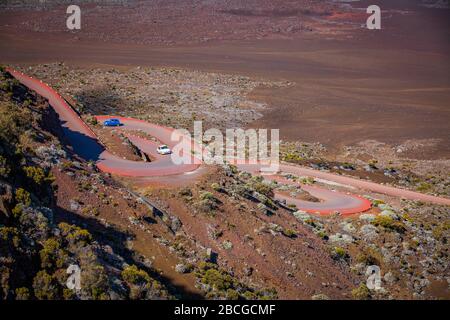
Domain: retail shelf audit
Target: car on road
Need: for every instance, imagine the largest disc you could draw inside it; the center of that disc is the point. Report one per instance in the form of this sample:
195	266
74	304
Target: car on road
163	149
112	123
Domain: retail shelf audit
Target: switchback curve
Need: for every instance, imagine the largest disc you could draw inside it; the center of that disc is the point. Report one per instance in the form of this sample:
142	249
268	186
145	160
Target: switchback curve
85	143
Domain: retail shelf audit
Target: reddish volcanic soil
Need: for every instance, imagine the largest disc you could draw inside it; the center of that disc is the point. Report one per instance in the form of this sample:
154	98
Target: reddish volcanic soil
350	84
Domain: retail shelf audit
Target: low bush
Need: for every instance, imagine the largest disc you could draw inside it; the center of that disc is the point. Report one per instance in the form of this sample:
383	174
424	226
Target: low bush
389	224
136	276
36	174
289	233
339	253
23	197
369	256
361	293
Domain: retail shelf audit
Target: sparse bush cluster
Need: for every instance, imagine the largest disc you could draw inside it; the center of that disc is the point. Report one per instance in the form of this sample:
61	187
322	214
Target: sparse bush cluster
140	284
258	184
369	256
389	223
442	231
38	253
361	292
220	284
207	202
297	152
339	253
289	233
37	174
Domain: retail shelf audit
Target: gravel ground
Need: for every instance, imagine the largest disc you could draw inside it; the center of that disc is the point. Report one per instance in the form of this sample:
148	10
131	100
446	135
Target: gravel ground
167	96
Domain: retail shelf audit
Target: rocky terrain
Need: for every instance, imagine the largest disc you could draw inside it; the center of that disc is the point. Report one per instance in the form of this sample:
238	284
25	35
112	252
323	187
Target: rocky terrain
408	241
168	96
222	237
377	161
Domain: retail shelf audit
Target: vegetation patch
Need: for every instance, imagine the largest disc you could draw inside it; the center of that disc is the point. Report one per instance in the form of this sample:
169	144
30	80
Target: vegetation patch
389	223
220	284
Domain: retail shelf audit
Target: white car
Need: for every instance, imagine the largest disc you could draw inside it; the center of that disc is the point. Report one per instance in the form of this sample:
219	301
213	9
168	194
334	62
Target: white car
163	149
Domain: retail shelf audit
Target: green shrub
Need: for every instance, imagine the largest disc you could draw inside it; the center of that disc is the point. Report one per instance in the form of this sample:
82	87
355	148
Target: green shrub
308	180
232	294
134	275
292	157
66	165
17	210
22	293
257	183
35	173
216	187
289	233
389	224
74	234
377	202
205	195
27	103
208	203
99	294
440	232
233	169
52	255
10	235
4	168
322	234
248	295
369	257
68	294
219	283
44	286
227	245
339	253
217	280
424	187
361	293
13	122
267	294
23	197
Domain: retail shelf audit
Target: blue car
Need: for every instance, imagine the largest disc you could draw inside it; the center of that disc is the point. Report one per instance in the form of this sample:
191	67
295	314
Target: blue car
112	123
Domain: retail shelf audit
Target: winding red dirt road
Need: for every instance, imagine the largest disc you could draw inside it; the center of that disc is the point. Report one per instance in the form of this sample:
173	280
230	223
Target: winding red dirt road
86	144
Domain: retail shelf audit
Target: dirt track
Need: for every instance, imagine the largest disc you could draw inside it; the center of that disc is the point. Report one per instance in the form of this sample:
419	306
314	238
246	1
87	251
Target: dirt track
86	144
